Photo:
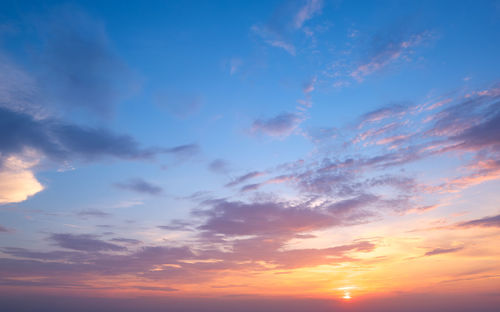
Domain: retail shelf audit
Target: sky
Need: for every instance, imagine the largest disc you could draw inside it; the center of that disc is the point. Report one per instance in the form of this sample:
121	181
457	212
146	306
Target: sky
250	155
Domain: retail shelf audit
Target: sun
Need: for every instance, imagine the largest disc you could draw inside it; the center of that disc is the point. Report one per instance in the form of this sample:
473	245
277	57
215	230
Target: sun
347	295
346	291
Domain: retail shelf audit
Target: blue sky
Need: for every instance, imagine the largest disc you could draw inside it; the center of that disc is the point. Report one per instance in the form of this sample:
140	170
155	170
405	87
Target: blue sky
320	126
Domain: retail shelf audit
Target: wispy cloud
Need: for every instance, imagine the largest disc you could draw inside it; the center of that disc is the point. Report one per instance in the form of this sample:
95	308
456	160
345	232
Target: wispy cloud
140	186
61	141
278	32
281	125
81	68
219	166
93	213
493	221
83	242
440	251
305	13
129	241
389	53
245	177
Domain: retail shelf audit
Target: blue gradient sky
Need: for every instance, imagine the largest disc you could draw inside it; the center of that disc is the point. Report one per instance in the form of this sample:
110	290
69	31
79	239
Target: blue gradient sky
212	148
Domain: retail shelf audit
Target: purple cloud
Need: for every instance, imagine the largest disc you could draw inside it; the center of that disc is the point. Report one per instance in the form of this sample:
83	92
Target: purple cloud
439	251
493	221
351	205
129	241
80	68
84	242
245	177
305	13
219	166
63	141
277	218
140	186
93	213
278	126
237	218
388	50
177	225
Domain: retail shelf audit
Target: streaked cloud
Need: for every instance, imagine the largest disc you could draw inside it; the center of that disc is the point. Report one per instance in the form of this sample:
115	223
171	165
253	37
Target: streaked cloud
493	221
140	186
440	251
305	13
93	213
61	141
245	177
83	242
281	125
219	166
389	52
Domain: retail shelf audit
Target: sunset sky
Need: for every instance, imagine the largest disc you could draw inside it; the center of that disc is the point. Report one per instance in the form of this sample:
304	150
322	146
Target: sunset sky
250	155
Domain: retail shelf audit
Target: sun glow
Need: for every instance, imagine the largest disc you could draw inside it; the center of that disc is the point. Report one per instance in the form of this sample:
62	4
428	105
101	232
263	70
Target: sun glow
347	292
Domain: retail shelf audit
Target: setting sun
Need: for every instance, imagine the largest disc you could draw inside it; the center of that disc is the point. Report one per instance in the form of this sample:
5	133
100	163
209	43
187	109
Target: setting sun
347	295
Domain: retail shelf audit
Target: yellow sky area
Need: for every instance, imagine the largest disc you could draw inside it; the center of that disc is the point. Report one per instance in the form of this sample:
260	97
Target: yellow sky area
467	262
397	265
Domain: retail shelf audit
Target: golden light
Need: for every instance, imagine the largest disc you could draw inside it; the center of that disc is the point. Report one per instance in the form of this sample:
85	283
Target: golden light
347	295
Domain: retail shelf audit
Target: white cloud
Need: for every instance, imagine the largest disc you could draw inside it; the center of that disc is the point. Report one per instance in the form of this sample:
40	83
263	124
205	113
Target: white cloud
17	181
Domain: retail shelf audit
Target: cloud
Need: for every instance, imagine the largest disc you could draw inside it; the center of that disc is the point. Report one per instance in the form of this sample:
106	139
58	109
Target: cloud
130	241
275	180
3	229
493	221
64	141
219	166
282	44
234	65
305	13
484	134
380	114
224	223
140	186
17	181
279	126
80	67
287	19
177	225
309	86
84	242
439	251
353	206
185	151
93	213
270	218
245	177
18	90
273	38
388	51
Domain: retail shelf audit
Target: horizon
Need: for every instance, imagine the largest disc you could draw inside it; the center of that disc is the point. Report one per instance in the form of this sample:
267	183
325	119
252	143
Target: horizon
250	155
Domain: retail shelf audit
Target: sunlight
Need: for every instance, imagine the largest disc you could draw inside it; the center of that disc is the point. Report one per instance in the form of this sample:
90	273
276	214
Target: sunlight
346	291
347	295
